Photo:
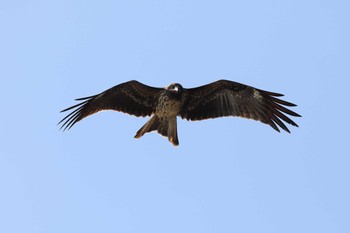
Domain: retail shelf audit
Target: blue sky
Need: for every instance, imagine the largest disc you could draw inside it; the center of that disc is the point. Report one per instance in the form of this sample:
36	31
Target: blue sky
228	174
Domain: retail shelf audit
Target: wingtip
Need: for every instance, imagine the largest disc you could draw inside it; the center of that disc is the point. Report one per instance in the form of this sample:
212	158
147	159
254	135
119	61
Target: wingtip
64	127
273	93
86	98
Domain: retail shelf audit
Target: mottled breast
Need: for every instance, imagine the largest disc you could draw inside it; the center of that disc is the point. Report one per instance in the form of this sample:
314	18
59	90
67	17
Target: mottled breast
168	105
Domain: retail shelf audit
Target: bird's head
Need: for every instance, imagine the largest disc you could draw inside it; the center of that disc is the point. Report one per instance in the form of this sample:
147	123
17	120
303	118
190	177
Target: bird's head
174	88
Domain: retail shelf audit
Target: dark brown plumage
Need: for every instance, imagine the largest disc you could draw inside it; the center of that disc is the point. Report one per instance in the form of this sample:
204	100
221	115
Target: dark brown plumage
217	99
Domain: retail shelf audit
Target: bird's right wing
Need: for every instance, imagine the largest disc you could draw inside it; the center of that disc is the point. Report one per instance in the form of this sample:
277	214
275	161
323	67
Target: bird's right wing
227	98
130	97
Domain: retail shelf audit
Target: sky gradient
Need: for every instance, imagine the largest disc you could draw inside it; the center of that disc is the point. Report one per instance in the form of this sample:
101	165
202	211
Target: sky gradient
228	174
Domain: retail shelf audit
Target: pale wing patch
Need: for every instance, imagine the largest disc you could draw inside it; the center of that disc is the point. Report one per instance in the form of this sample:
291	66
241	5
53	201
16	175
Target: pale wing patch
257	94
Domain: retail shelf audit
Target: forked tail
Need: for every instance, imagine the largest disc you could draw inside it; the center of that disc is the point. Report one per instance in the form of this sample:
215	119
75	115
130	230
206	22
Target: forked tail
165	127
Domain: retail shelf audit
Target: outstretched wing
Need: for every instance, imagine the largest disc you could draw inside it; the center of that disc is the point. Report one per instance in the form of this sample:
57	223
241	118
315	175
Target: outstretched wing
131	97
227	98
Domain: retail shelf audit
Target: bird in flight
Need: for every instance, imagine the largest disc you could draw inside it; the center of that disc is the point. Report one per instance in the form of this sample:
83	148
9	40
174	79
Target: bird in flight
218	99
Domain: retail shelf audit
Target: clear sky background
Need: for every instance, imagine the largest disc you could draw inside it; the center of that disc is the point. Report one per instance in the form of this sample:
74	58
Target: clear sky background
228	174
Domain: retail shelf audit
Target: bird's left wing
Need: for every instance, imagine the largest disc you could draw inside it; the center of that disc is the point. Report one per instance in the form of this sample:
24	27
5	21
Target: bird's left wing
227	98
130	97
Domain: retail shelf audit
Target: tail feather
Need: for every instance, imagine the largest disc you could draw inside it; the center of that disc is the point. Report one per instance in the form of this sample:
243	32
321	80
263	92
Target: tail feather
172	132
165	127
150	125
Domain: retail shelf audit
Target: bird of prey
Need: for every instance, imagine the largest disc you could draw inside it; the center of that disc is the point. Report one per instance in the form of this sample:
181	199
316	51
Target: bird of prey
218	99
